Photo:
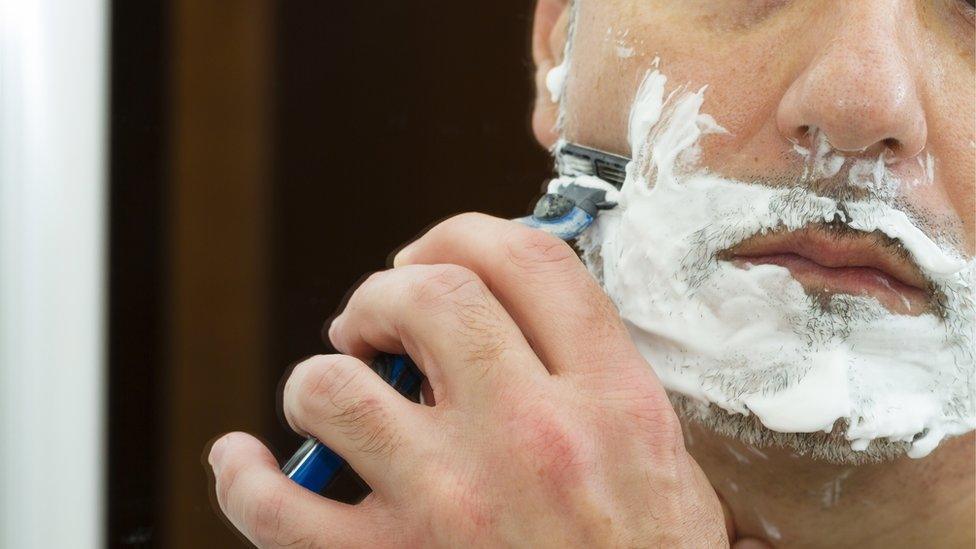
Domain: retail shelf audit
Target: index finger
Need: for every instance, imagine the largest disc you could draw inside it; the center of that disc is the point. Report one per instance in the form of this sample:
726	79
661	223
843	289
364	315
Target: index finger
565	315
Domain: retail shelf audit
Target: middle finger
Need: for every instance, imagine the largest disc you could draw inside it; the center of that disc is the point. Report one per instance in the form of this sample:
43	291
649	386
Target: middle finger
447	320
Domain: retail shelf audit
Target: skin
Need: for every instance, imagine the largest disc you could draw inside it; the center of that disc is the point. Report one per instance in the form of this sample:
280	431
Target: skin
547	427
797	502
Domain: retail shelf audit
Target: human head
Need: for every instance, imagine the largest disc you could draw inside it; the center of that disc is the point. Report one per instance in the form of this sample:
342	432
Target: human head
863	81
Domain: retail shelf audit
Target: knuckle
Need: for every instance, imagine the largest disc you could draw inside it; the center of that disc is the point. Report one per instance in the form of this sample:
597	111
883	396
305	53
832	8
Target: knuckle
460	224
448	285
227	484
558	449
669	428
321	377
323	380
372	279
466	221
484	351
366	421
264	518
460	293
331	393
660	423
270	525
641	408
537	251
332	376
371	283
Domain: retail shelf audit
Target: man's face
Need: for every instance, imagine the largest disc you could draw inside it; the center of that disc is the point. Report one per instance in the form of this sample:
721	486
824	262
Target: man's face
867	73
868	104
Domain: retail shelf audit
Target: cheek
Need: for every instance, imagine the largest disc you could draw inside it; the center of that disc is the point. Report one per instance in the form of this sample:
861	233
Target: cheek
613	51
954	193
946	77
952	144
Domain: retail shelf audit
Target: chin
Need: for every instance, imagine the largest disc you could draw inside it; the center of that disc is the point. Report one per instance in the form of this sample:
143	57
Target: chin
821	446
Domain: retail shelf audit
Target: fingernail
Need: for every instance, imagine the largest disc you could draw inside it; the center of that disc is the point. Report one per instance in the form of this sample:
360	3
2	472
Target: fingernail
217	452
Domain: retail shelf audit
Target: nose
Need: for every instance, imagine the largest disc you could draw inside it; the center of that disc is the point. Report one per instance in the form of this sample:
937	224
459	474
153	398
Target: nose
859	89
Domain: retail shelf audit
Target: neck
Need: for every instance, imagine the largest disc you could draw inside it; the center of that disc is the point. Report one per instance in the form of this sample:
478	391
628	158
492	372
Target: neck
794	501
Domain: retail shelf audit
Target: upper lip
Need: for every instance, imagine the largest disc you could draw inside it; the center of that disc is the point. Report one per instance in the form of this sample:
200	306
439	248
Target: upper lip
836	250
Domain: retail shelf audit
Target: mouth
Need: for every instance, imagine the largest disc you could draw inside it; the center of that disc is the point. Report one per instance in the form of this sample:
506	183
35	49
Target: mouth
828	261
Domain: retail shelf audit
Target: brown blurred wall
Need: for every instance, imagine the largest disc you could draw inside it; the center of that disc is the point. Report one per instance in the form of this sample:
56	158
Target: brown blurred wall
267	155
219	270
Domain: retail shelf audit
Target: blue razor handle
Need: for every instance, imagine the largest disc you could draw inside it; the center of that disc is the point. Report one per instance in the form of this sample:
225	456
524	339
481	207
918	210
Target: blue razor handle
570	210
564	214
568	213
314	465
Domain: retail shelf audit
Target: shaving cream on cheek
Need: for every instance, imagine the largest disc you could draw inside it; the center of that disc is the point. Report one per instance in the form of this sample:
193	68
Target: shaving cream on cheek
751	340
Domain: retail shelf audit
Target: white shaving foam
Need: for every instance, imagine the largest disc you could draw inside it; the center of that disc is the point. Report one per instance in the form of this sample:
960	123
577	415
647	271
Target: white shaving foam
751	340
556	81
822	161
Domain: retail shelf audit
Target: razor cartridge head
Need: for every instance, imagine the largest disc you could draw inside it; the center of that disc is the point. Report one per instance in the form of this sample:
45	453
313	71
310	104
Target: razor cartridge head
575	160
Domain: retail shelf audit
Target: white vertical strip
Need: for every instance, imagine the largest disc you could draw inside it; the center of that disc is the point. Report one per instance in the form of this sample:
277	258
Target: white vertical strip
52	272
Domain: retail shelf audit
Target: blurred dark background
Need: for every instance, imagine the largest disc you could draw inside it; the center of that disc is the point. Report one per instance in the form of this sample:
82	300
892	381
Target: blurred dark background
264	157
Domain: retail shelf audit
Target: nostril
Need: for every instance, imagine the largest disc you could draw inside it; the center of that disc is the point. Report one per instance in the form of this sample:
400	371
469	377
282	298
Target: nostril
893	146
800	134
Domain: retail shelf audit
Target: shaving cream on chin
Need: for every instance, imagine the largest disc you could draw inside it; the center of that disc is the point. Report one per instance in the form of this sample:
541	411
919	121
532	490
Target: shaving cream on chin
750	340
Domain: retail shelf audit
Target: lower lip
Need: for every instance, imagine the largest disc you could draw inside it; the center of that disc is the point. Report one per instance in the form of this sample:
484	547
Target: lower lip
896	296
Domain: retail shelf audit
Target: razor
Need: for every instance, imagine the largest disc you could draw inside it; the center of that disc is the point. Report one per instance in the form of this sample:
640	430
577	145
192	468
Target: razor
565	214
